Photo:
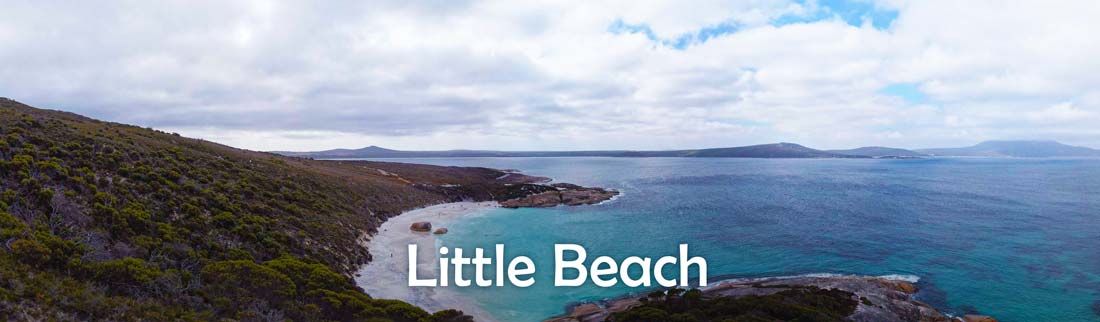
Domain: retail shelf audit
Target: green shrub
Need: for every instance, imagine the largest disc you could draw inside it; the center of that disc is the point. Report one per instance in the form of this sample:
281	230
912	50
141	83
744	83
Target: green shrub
10	226
130	272
240	283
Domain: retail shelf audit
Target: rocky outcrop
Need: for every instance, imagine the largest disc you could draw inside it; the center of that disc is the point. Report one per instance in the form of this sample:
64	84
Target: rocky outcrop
587	312
422	226
440	231
879	299
978	318
562	194
514	176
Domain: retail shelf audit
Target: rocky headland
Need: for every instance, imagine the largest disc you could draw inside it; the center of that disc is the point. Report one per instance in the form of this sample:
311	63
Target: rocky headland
862	299
562	194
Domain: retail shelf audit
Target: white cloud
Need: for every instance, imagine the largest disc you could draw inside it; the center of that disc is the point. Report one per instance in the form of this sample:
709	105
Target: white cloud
550	75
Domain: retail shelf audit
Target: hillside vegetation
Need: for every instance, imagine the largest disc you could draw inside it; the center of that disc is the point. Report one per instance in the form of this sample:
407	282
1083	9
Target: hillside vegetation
104	221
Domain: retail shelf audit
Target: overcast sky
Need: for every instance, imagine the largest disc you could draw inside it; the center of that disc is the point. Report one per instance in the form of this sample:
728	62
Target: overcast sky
527	75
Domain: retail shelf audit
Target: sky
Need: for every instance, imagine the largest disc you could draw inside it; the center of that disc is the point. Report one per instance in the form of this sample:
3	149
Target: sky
565	75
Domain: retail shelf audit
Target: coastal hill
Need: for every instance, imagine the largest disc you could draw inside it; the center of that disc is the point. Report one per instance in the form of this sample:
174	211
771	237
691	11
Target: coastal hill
1020	149
880	152
380	152
106	221
775	150
1017	149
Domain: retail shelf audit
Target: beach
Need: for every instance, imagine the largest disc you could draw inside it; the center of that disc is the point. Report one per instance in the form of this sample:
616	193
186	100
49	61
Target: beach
386	276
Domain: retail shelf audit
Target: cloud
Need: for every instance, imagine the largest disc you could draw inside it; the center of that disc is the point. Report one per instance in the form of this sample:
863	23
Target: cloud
564	74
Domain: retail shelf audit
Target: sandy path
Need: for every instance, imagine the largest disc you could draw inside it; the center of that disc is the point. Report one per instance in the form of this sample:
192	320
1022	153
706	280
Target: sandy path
386	276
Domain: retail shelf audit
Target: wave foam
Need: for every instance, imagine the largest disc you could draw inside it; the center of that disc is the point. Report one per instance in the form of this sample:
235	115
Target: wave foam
892	277
901	277
613	198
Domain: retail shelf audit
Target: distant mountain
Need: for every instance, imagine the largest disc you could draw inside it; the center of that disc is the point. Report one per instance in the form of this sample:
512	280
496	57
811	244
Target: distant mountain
880	152
1019	149
379	152
775	150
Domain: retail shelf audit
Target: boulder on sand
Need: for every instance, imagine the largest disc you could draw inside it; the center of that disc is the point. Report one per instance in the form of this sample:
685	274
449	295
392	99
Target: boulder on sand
421	226
440	231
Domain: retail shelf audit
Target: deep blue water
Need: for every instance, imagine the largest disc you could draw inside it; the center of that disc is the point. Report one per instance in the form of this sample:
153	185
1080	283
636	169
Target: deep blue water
1018	239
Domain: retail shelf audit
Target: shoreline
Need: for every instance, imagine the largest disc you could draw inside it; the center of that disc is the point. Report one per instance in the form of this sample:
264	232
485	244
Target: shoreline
386	275
880	298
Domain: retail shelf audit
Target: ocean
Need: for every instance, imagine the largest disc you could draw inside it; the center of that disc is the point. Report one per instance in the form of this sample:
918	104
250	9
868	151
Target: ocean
1018	239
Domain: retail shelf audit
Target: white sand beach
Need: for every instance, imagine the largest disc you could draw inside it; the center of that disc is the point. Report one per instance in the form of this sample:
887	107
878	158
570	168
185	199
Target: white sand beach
386	276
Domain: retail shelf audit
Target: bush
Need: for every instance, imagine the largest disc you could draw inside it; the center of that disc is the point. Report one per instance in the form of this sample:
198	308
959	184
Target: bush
240	283
30	251
10	227
308	277
131	274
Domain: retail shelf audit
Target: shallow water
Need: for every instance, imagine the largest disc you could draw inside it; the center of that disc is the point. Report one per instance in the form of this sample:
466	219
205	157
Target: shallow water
1018	239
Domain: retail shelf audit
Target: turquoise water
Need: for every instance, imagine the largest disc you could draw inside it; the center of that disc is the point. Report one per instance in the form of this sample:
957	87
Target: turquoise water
1018	239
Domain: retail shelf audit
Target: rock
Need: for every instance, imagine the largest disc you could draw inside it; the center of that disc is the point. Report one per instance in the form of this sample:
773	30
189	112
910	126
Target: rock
586	309
440	231
901	286
891	300
586	196
538	200
587	312
623	304
906	287
978	318
421	226
563	186
565	194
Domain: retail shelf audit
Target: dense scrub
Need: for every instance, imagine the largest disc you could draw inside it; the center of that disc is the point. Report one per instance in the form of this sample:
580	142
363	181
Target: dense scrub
103	221
796	304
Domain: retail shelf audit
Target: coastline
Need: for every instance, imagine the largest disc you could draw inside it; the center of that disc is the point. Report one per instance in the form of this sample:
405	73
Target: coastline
386	275
880	298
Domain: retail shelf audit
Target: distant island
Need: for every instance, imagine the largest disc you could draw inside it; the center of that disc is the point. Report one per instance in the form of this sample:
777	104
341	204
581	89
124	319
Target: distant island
1006	148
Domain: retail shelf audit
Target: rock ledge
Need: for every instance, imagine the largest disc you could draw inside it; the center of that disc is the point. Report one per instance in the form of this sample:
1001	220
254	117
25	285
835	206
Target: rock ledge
879	299
562	194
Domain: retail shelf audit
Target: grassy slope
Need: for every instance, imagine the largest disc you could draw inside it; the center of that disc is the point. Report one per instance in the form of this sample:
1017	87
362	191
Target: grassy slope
104	221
